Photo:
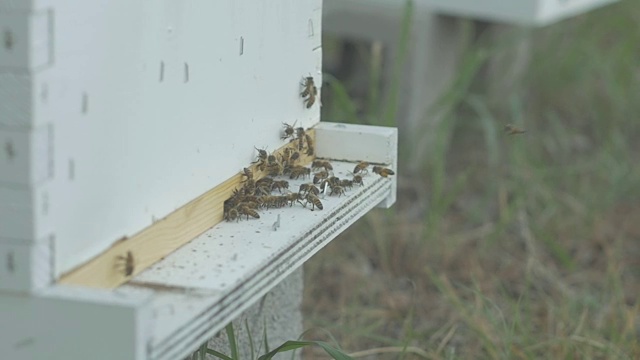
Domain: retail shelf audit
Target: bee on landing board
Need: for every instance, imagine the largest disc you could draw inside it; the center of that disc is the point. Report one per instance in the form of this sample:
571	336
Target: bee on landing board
309	92
384	172
361	167
128	263
512	130
315	202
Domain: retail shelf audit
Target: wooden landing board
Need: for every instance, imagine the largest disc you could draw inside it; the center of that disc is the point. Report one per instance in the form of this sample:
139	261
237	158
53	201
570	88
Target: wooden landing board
165	236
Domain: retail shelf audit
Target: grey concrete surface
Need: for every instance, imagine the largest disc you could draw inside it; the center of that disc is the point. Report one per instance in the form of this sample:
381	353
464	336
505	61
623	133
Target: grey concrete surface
279	311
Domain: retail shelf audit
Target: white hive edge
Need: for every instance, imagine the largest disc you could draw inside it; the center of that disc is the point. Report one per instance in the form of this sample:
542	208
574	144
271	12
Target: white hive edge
174	306
516	12
205	284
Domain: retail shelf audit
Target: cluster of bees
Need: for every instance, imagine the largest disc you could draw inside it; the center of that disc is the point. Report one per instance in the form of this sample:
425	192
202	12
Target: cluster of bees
272	191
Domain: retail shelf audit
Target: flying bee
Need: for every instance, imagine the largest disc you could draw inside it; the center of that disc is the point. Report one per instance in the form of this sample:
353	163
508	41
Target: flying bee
309	189
361	167
288	131
128	263
384	172
310	91
245	210
297	171
279	185
319	176
512	130
357	179
315	202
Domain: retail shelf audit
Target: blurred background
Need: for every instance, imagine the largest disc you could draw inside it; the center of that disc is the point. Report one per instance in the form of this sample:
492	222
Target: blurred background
499	246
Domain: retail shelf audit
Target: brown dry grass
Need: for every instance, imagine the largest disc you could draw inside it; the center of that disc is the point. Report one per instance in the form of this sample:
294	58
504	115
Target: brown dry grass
530	248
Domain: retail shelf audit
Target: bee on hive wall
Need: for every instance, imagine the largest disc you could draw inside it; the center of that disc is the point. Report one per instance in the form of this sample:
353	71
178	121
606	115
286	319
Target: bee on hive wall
127	263
309	92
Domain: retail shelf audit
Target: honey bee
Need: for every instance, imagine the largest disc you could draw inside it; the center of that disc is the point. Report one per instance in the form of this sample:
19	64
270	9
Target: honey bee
128	263
317	164
262	159
248	173
265	181
512	130
384	172
309	189
319	176
309	144
337	190
297	171
292	198
263	190
246	210
357	179
315	202
288	131
309	92
361	167
274	169
232	214
346	183
295	156
279	185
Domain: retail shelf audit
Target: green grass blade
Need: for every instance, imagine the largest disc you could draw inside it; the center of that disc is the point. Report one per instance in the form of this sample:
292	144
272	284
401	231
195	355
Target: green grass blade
250	336
218	354
233	344
295	344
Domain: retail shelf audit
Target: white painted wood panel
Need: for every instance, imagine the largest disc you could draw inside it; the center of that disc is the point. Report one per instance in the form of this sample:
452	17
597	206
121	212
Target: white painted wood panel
151	104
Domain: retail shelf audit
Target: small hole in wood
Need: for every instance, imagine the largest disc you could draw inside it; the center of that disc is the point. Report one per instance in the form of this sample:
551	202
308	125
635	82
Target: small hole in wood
45	203
72	169
186	72
161	71
11	265
85	102
311	28
8	39
9	150
241	45
44	93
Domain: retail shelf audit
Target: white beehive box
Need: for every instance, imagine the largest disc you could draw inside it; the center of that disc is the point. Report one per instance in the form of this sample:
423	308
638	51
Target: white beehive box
121	124
522	12
517	12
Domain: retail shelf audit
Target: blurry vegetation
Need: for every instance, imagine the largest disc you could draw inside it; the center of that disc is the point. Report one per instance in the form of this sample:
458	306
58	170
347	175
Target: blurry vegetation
521	247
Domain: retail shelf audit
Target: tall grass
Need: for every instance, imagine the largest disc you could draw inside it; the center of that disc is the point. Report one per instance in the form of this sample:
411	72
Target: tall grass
530	245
